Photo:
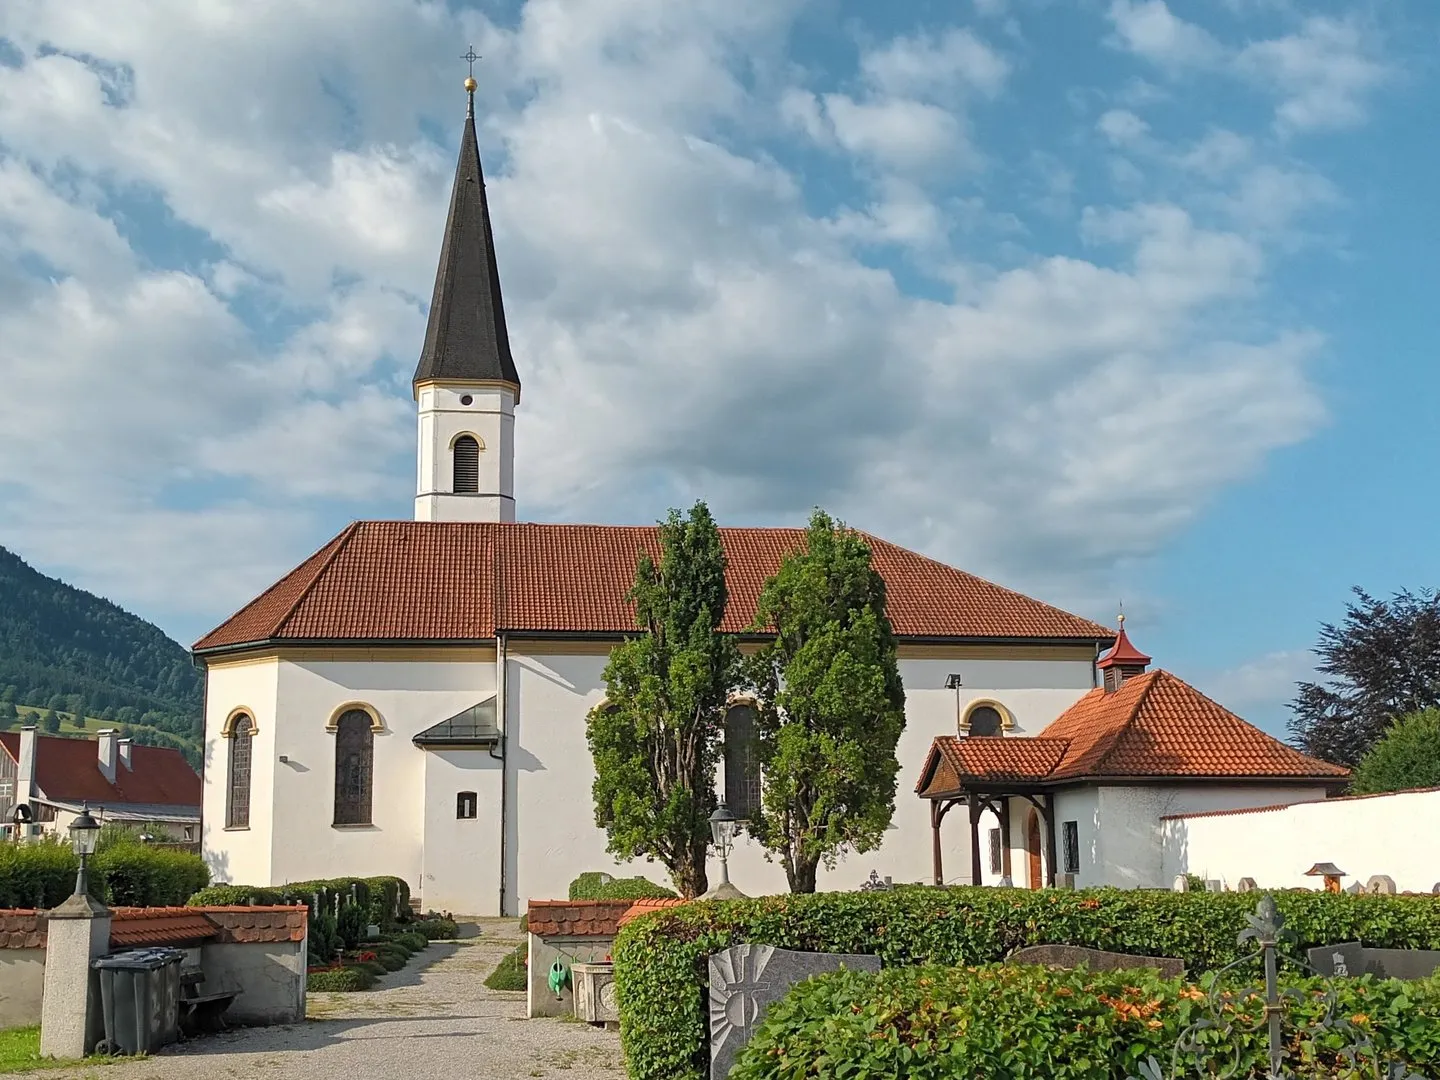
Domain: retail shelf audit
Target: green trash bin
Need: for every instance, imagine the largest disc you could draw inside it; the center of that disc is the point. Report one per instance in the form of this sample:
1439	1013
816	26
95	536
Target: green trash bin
140	999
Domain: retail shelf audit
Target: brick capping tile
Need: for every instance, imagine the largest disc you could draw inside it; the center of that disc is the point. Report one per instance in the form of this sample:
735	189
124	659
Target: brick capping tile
576	918
131	926
1303	802
650	905
22	928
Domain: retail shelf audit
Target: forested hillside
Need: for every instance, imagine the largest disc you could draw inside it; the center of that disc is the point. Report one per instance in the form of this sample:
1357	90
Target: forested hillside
75	655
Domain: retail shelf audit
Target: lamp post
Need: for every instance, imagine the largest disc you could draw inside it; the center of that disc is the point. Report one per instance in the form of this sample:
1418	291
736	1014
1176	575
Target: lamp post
84	833
722	831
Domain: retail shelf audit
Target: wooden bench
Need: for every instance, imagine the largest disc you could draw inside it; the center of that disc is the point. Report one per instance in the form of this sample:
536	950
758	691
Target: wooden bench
200	1011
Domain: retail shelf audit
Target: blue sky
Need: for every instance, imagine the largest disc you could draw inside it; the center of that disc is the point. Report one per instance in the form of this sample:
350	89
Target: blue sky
1102	300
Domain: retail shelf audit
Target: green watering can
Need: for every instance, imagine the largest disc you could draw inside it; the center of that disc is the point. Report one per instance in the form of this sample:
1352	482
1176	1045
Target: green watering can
558	977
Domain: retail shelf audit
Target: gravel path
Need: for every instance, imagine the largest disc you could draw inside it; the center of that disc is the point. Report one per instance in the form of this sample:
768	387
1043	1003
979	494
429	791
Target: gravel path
433	1018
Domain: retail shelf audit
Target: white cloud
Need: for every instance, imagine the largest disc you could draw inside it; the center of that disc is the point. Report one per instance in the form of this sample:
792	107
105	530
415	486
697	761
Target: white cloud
1324	73
1122	127
684	324
1267	681
1150	29
1217	154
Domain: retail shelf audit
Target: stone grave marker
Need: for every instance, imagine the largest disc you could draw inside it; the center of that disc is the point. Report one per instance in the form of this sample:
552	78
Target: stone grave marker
1247	884
1381	885
745	979
1073	956
1350	959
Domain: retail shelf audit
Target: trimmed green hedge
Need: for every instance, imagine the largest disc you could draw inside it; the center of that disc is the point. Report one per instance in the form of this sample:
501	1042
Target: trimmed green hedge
123	875
510	973
341	980
381	897
588	886
1030	1023
660	958
412	941
435	929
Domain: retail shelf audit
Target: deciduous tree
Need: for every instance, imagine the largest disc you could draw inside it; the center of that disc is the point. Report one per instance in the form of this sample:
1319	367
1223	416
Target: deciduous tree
1406	756
655	743
1383	660
830	705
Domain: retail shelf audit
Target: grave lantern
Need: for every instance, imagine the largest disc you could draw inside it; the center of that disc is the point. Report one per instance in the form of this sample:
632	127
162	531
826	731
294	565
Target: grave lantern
84	834
1330	872
723	825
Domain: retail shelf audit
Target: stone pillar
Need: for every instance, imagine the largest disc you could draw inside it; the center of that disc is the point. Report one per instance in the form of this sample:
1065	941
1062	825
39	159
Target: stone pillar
71	1022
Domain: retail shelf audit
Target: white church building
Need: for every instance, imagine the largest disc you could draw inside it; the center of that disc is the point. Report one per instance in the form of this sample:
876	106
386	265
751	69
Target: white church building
411	699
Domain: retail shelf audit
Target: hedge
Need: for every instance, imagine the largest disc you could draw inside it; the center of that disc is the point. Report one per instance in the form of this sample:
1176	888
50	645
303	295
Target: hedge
934	1023
660	958
340	980
381	897
511	972
589	886
435	929
124	875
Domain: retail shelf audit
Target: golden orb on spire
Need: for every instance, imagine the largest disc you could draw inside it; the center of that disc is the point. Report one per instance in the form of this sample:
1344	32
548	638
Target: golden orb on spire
470	85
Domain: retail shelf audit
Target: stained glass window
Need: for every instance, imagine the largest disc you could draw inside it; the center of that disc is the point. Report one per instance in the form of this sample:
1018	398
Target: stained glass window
742	762
354	760
237	809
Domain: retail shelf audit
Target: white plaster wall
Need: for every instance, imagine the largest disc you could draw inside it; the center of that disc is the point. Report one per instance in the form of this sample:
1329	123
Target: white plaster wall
409	697
461	859
270	976
1082	806
22	987
1134	834
1387	834
239	856
491	418
540	1000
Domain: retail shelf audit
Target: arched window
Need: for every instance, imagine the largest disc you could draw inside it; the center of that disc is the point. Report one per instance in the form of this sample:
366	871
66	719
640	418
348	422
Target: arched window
237	803
467	465
354	759
984	720
742	762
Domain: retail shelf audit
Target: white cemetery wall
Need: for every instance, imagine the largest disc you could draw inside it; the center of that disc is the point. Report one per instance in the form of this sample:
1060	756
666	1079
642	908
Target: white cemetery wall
1364	835
22	987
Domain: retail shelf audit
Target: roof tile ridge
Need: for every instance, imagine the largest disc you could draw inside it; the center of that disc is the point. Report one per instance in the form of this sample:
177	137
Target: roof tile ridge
341	543
874	539
1132	714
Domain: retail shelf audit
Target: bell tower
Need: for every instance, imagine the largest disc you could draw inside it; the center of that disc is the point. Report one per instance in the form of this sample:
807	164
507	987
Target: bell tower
466	385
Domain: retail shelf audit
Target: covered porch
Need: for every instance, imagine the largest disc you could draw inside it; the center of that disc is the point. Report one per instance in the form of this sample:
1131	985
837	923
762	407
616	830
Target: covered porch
1006	779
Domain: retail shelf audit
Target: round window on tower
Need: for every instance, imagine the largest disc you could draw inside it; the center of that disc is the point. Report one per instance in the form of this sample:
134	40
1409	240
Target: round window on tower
466	399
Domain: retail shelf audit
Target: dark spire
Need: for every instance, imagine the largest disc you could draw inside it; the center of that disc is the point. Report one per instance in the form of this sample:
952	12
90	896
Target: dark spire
466	337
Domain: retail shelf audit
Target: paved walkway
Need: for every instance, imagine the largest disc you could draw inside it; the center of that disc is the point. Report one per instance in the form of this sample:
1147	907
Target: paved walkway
433	1018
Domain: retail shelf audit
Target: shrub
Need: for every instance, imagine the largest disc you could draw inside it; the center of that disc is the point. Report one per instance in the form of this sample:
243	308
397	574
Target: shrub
324	938
124	875
510	973
933	1023
435	929
413	941
389	901
240	896
660	958
391	957
343	980
350	924
590	886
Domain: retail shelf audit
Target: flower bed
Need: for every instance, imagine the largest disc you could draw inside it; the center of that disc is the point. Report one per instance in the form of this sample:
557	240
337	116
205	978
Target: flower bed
660	968
931	1023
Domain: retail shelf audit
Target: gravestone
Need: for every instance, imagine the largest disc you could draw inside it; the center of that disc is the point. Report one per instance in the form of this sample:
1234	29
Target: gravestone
1214	885
1355	888
1381	885
1181	883
1072	956
1247	884
1351	959
745	979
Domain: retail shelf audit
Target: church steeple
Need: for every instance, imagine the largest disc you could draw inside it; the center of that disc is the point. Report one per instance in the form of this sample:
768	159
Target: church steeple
466	337
466	385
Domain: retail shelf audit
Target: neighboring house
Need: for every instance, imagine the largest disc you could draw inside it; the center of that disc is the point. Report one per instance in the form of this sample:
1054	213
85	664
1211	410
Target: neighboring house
1086	797
54	777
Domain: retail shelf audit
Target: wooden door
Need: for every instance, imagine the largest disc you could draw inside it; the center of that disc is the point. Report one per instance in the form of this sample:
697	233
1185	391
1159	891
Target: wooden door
1032	851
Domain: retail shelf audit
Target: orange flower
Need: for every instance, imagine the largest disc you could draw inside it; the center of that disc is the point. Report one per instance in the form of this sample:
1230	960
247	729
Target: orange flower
1153	1024
1359	1018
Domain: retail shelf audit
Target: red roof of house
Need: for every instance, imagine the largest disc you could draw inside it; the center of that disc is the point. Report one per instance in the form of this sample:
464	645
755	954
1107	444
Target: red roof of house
575	918
1154	725
69	770
645	907
459	581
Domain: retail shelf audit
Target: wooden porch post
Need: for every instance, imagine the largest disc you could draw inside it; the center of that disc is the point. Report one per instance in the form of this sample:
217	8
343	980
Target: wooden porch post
975	866
1050	840
1005	836
935	818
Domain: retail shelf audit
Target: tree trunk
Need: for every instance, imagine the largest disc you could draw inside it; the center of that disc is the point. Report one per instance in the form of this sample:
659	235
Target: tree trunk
688	874
802	875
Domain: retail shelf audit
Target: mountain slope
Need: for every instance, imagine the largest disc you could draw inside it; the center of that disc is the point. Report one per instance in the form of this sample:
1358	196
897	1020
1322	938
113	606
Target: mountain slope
67	650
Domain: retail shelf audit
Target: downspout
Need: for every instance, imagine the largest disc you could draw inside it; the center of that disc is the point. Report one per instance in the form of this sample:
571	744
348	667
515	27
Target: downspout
501	722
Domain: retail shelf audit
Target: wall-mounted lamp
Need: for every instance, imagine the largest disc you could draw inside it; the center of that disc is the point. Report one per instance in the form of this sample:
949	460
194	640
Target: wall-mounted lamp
284	760
952	682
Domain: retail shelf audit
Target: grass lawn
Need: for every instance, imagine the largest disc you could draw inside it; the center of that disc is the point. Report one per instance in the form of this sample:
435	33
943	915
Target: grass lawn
510	973
20	1053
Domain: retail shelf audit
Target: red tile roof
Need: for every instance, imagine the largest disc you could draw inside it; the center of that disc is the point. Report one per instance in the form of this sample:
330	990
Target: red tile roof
1123	653
22	928
645	907
576	918
1154	726
69	770
176	926
459	581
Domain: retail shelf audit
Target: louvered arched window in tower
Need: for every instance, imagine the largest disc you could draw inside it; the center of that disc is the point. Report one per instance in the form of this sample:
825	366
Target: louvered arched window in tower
467	465
354	764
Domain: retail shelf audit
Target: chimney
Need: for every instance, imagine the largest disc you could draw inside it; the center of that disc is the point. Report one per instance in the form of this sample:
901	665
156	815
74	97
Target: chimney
25	769
106	745
1122	662
124	747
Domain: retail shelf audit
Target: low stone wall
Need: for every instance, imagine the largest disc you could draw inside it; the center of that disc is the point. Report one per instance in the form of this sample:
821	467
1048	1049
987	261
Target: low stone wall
259	951
572	932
